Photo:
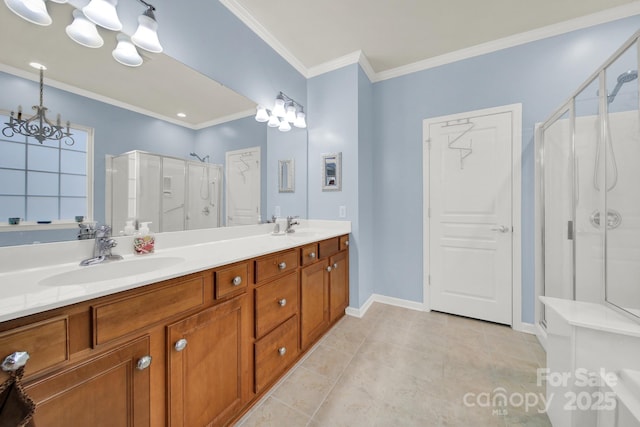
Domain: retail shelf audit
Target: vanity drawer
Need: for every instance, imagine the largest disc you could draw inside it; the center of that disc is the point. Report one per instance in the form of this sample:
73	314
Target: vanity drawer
232	280
309	254
275	302
114	319
275	352
46	342
275	265
344	242
328	247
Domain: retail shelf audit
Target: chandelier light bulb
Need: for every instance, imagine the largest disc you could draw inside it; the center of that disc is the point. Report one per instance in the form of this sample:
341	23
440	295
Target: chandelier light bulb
103	13
34	11
284	126
274	121
278	107
126	53
300	121
146	36
290	115
83	31
261	114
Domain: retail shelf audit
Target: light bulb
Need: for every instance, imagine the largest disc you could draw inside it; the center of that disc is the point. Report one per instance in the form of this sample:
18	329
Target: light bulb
300	121
284	126
83	31
126	53
278	107
146	36
274	121
34	11
261	114
290	116
103	13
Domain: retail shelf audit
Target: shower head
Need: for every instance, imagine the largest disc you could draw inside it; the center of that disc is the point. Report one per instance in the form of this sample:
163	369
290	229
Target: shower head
626	77
202	159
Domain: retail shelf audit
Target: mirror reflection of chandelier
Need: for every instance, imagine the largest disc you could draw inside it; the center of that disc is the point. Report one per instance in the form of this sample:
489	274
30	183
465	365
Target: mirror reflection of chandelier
38	126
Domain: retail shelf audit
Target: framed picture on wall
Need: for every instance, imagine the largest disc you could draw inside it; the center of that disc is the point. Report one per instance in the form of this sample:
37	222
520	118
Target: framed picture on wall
332	172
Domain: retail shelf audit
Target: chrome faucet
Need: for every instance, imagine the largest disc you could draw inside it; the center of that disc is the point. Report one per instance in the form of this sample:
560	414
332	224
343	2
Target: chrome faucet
102	247
291	221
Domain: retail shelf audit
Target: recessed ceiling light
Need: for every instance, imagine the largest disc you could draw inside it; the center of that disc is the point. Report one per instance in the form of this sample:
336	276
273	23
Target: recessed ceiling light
181	115
37	66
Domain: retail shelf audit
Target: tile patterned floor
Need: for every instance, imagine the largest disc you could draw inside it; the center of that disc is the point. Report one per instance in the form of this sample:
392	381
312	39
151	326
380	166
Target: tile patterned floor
399	367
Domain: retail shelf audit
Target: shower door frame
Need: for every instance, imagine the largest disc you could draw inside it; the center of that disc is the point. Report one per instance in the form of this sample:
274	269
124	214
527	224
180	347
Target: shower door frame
569	106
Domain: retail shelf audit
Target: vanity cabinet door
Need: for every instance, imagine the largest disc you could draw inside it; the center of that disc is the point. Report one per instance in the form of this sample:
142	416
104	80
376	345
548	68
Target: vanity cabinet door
107	391
209	365
339	285
314	302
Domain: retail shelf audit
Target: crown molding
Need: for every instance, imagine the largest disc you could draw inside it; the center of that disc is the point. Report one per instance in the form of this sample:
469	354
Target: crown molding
334	64
582	22
243	14
366	67
225	119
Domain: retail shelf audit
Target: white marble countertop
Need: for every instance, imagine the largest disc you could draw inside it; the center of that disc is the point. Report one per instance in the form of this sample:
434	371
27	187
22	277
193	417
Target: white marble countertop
28	273
592	316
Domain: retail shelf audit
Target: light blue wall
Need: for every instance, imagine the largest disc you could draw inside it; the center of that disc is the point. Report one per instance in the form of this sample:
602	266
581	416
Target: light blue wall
540	75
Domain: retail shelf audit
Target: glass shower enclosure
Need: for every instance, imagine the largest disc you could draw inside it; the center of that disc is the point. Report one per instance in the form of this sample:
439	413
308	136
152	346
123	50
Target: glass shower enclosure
588	156
173	194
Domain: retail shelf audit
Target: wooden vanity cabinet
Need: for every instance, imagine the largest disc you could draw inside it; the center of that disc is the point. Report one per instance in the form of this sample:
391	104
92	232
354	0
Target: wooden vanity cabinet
338	285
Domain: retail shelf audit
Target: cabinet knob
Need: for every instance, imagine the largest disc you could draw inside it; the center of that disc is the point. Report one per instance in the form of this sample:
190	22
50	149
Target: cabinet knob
181	344
335	266
15	361
143	363
329	269
346	243
282	265
312	255
237	280
282	351
282	302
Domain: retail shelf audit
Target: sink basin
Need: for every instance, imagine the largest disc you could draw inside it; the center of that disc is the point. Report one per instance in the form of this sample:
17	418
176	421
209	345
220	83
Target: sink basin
110	270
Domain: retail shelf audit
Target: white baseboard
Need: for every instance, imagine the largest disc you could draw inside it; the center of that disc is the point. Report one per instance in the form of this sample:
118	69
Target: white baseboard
398	302
527	328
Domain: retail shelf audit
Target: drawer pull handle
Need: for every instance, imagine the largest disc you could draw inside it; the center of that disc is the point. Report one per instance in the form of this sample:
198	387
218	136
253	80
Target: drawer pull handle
15	361
329	269
237	280
181	344
346	243
282	265
312	255
335	266
143	363
282	351
282	302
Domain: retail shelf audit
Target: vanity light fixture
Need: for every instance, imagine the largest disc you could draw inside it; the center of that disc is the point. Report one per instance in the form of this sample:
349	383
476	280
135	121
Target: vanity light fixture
286	112
96	12
126	53
38	126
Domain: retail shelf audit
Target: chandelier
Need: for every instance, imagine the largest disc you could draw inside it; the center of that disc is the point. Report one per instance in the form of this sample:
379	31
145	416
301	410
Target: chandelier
286	111
38	126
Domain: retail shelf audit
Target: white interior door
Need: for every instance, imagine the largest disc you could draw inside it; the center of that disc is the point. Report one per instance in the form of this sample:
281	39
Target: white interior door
469	221
243	186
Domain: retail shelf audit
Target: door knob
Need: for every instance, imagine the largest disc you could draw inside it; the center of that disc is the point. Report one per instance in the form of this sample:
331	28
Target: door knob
500	228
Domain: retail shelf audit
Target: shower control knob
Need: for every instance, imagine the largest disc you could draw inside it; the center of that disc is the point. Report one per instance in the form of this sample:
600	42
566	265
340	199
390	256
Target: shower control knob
500	228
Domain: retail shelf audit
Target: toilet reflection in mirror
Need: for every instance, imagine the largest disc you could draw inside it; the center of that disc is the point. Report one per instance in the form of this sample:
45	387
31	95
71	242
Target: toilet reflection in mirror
286	176
332	172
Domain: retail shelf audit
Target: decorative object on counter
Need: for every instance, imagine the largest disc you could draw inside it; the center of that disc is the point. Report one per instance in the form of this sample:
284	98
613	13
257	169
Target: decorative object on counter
332	172
38	126
144	240
286	112
87	231
44	221
97	12
129	228
14	221
79	218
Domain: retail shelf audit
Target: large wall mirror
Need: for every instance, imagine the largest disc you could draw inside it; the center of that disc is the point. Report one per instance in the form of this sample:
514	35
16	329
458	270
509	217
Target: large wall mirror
135	109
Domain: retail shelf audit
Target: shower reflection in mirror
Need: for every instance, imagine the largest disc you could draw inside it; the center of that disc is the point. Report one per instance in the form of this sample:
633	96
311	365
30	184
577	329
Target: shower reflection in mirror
332	172
286	176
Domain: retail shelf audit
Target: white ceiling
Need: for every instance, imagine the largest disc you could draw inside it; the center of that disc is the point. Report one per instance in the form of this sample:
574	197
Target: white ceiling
396	33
